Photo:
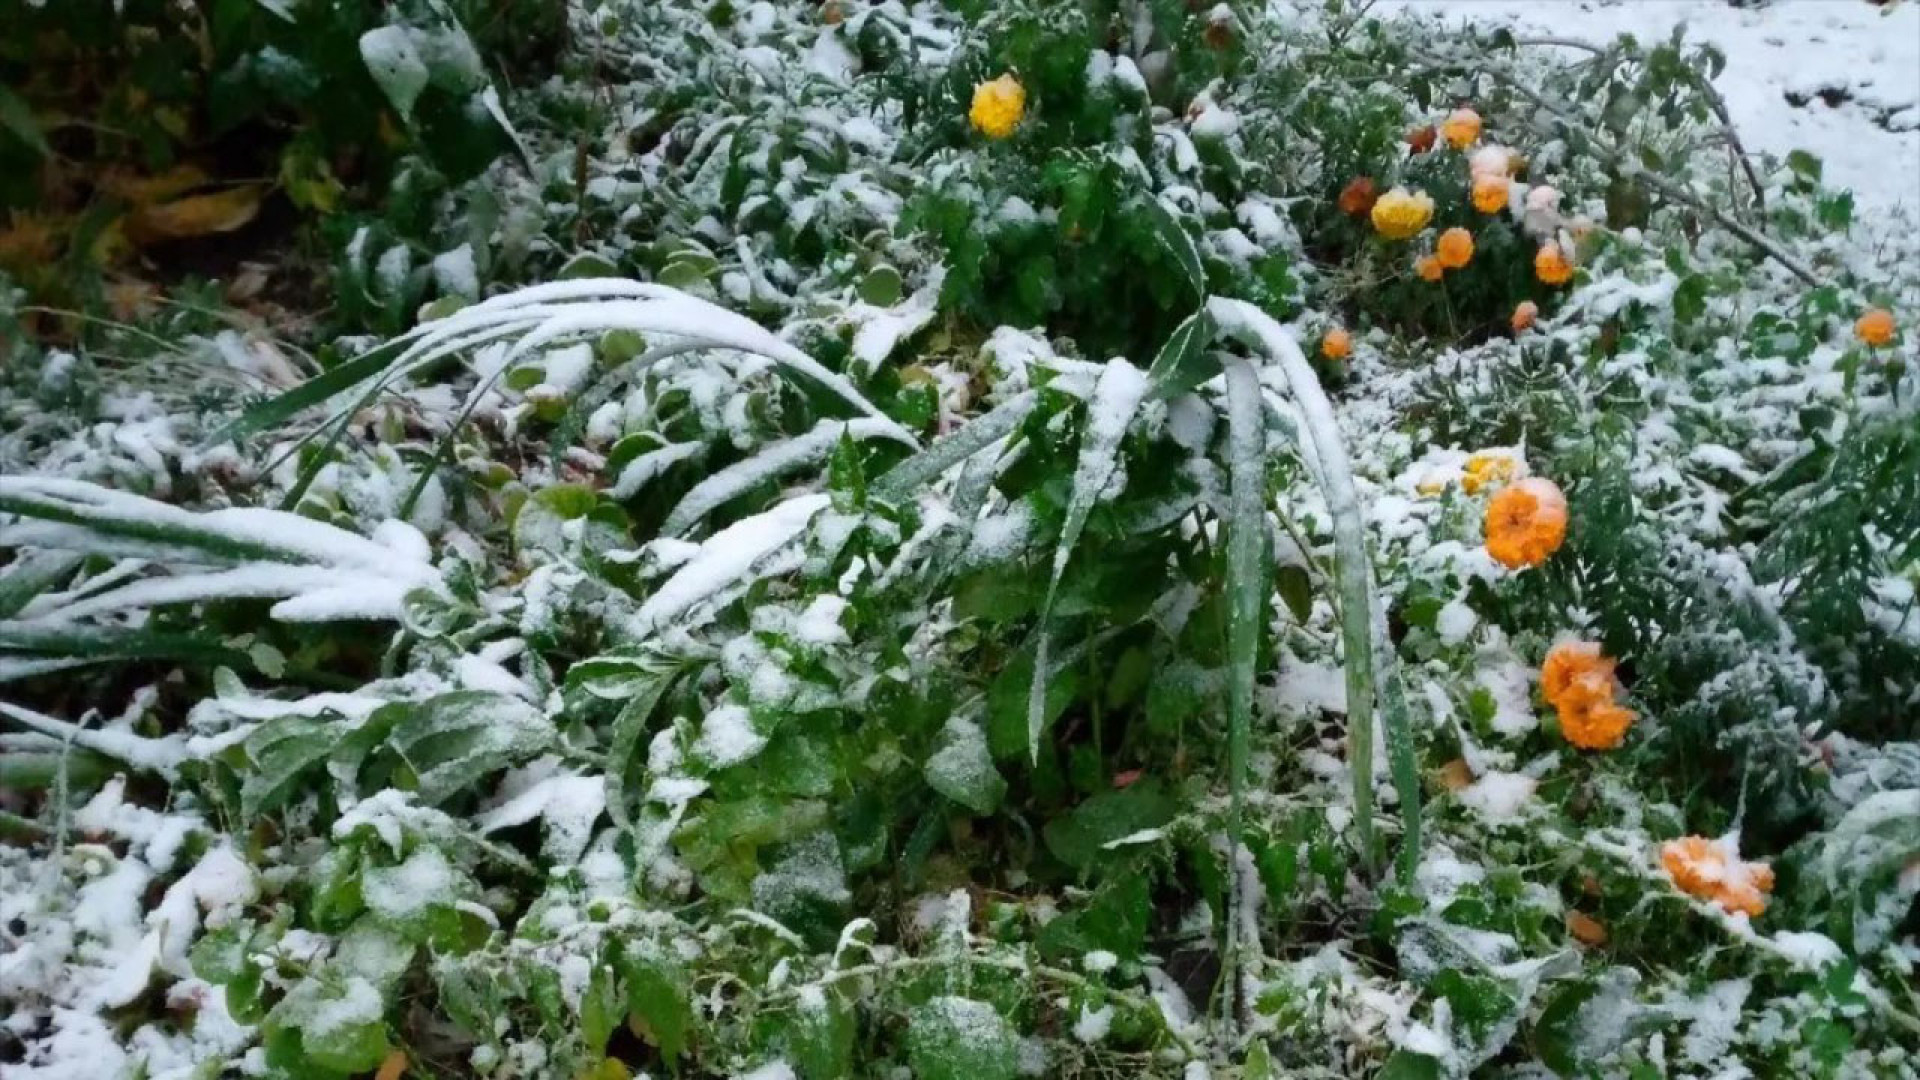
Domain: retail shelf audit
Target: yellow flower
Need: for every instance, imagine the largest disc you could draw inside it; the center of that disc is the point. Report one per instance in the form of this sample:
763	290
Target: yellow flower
1429	268
997	106
1490	193
1455	248
1400	213
1875	328
1551	265
1461	127
1489	469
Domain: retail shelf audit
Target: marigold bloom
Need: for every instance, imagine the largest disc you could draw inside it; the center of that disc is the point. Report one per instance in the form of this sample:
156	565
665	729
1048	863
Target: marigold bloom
1566	662
1358	197
1591	722
1490	193
997	106
1429	268
1455	248
1337	344
1400	213
1523	315
1713	870
1586	929
1490	161
1461	127
1875	328
1421	139
1551	265
1526	522
1489	469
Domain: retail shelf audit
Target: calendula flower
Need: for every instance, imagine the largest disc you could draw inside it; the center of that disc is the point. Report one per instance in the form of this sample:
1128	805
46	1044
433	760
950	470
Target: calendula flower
1875	328
1421	139
1526	522
1429	268
1567	662
1523	315
1592	722
1455	248
1713	870
1490	193
1400	213
997	106
1461	127
1490	469
1336	344
1358	197
1551	266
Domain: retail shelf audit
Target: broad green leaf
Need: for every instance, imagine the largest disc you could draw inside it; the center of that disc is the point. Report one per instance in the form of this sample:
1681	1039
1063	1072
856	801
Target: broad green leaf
1183	362
1178	244
881	287
281	753
17	117
956	1038
454	741
1078	838
396	66
820	1037
962	769
1407	1065
657	1002
928	465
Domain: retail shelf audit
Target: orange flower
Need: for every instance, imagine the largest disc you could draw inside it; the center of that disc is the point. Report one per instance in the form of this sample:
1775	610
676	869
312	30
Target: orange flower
1490	193
1461	127
1565	663
1591	722
1421	139
1586	929
1429	268
1526	522
1875	328
1524	314
1455	248
1358	196
1713	870
1551	265
1336	345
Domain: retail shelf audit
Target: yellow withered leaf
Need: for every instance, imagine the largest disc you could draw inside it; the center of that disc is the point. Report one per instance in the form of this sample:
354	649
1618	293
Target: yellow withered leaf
196	215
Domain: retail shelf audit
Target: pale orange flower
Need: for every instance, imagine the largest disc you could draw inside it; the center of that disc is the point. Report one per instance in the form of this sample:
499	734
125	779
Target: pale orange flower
1551	265
1461	127
1526	522
1875	328
1713	870
1524	314
1337	344
1429	268
1490	193
1566	662
1455	248
1589	718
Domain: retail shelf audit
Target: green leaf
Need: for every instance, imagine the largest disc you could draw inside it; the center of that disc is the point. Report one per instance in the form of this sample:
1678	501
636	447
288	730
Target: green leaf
962	769
1183	361
956	1038
1116	398
452	741
335	1024
314	391
1407	1065
820	1039
1248	558
656	998
927	465
281	752
1296	590
17	117
1077	839
881	287
395	65
1690	299
1805	166
33	574
1178	245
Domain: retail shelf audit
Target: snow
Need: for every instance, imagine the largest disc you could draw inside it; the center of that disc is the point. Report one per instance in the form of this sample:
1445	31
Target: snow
726	557
1499	796
404	892
1092	1025
728	737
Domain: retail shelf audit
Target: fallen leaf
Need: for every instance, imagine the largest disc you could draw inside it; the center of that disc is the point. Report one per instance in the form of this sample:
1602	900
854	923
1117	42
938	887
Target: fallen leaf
1455	774
1586	929
394	1066
148	190
196	215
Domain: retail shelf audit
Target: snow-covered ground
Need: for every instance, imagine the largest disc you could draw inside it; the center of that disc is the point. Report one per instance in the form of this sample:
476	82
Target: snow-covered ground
1839	79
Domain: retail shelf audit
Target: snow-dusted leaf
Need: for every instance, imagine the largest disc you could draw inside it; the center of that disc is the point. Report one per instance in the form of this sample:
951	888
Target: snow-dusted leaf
962	769
976	435
770	463
956	1038
396	66
453	741
1116	398
726	558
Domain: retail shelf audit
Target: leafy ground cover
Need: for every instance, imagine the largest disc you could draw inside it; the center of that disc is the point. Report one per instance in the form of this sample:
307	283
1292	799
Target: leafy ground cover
955	540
